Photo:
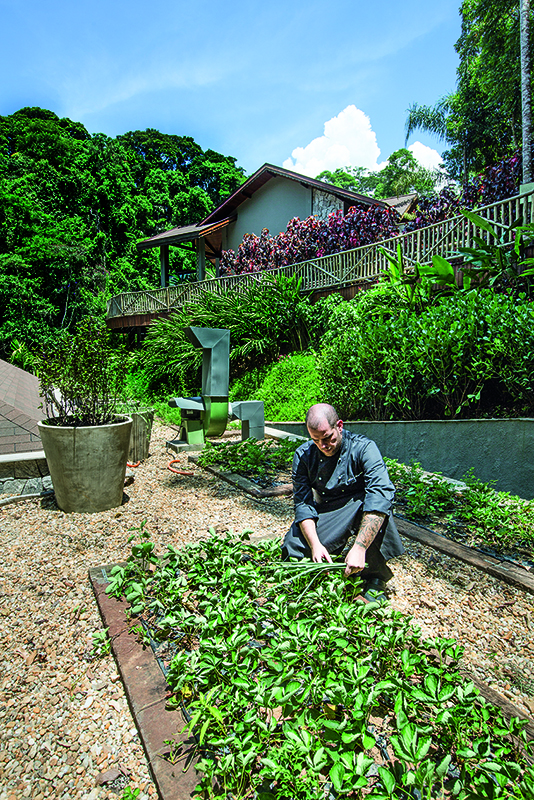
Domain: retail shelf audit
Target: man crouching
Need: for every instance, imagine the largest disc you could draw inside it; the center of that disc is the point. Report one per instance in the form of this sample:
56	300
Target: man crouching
341	487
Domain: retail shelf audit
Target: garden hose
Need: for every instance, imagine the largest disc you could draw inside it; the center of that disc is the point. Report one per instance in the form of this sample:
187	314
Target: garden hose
18	498
133	465
179	471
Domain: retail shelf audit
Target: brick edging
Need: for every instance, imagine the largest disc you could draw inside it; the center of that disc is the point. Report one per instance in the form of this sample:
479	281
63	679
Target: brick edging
147	693
504	570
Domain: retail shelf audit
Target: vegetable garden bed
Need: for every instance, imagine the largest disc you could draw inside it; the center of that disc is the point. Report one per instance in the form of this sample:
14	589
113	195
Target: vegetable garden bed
294	690
471	513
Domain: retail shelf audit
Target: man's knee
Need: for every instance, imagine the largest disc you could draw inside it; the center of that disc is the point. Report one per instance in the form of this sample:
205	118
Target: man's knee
294	544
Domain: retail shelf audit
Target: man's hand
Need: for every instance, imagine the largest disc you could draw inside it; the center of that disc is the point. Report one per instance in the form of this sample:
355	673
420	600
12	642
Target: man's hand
369	527
320	553
318	550
355	560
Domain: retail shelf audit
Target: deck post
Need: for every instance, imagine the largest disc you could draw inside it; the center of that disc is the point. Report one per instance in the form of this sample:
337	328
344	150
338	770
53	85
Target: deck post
201	259
164	262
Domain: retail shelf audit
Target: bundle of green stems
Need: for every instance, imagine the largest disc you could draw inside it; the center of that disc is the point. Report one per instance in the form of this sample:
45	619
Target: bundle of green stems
299	569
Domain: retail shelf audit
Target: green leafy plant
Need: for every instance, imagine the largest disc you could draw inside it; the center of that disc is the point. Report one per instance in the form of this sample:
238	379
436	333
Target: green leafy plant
101	643
485	516
251	458
22	356
498	257
81	376
468	352
294	691
129	793
405	282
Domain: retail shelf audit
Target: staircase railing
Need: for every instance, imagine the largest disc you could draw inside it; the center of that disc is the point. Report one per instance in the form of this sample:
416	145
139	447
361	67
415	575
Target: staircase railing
340	269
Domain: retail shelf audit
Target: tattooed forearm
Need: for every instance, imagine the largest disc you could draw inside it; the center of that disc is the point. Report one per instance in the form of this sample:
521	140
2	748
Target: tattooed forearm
369	527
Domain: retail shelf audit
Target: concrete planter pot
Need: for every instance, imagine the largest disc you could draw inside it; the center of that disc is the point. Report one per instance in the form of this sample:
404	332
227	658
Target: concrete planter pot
87	464
143	420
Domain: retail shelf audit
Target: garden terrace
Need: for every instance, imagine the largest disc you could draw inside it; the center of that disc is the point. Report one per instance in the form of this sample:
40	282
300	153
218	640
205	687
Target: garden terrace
64	719
349	268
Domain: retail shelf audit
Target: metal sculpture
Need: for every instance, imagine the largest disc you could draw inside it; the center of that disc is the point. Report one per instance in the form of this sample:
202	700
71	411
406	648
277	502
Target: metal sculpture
207	415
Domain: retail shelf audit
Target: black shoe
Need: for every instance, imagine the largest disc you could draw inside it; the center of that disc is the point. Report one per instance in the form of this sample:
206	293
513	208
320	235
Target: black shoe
375	591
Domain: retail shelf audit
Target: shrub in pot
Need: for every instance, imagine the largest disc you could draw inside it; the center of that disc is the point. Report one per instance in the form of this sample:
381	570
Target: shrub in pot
85	442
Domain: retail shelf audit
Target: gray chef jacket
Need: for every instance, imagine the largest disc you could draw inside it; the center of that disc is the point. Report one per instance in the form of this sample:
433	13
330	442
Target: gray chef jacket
336	490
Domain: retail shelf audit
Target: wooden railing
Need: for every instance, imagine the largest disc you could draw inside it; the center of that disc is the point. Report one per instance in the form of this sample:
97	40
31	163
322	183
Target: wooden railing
350	266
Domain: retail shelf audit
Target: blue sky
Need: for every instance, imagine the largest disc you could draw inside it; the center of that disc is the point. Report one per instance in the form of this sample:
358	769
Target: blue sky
257	81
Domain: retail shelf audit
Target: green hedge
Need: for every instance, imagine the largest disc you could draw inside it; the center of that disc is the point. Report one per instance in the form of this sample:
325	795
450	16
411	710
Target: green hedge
465	354
288	387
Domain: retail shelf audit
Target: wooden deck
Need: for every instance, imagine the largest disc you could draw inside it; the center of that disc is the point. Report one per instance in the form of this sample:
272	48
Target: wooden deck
349	267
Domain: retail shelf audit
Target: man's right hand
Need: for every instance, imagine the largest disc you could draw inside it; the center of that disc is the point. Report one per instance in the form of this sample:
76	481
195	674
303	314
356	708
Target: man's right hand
320	553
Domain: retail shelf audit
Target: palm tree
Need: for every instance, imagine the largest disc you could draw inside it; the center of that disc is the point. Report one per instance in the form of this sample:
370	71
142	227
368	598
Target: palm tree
432	119
435	119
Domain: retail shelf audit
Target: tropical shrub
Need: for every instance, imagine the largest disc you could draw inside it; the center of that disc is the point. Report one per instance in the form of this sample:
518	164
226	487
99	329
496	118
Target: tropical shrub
247	384
266	320
310	238
455	358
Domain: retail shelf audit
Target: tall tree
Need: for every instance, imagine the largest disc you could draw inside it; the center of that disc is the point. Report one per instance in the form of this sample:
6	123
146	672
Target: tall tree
73	206
401	174
525	92
480	120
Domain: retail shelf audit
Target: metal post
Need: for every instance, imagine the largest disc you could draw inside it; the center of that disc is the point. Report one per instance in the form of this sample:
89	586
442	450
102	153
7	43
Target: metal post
201	259
164	264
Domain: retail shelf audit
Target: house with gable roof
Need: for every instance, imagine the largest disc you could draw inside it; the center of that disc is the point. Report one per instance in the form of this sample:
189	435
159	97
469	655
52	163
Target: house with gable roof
268	199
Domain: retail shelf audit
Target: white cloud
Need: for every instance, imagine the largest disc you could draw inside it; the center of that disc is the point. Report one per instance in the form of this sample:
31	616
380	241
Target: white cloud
349	141
426	156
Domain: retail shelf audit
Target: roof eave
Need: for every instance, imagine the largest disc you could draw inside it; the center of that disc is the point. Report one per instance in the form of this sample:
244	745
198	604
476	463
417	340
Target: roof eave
189	233
268	171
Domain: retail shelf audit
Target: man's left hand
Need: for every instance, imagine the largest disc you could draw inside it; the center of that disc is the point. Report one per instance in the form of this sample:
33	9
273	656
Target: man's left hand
355	560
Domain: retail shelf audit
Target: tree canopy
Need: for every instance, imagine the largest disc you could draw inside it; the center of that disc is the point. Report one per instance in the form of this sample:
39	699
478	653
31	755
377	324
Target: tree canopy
72	207
402	174
481	119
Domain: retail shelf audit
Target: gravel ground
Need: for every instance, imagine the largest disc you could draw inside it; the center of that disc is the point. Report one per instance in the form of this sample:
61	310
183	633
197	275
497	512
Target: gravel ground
64	719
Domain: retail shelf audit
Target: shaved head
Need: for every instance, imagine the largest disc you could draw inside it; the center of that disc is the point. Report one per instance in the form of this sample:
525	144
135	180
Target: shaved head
319	414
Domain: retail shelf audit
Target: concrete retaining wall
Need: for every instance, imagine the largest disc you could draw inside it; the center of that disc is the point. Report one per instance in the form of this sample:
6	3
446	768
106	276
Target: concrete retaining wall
500	450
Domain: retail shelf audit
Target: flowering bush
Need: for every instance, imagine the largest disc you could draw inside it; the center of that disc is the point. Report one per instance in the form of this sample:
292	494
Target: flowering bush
495	183
358	227
313	237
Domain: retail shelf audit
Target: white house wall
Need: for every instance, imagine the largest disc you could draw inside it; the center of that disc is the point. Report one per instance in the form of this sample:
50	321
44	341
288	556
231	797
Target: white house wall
270	207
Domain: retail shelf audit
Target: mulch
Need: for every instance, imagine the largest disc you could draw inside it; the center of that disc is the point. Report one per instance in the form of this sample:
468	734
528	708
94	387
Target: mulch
64	720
